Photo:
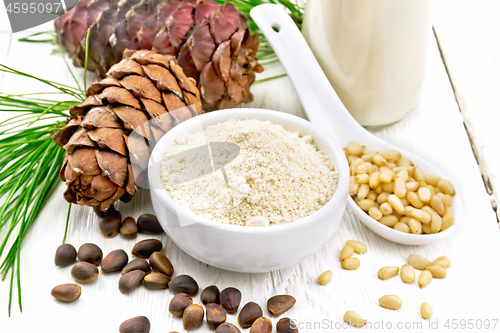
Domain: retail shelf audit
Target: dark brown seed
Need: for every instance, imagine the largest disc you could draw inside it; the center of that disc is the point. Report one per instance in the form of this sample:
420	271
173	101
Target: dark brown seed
262	325
137	264
84	272
156	281
136	325
210	294
248	314
128	228
160	263
130	281
114	261
230	299
215	315
279	304
227	328
146	247
110	225
193	316
286	325
148	224
183	284
67	292
103	214
179	303
65	255
90	253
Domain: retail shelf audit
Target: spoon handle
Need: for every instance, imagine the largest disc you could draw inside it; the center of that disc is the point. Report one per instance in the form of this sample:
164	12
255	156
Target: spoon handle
320	101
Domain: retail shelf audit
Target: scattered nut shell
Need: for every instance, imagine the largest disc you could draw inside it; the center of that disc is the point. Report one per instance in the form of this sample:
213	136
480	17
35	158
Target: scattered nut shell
286	325
179	303
84	272
210	294
130	281
215	315
183	284
146	247
136	325
262	325
115	261
148	224
110	225
69	292
227	328
156	281
230	299
193	317
65	255
248	314
137	264
279	304
90	253
128	228
160	263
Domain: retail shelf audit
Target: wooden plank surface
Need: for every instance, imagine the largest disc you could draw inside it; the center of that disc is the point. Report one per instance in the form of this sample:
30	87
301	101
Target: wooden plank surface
472	56
435	131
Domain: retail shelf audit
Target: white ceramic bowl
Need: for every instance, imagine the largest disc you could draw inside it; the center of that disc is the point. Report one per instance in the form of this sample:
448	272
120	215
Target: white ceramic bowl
249	249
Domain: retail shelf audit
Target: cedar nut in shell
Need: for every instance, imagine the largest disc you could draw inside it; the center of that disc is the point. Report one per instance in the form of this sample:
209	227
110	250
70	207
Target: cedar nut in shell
90	253
139	324
160	263
148	224
114	261
215	315
227	328
179	303
110	225
262	325
84	272
183	284
230	299
210	294
137	264
156	281
279	304
286	325
69	292
193	317
146	247
128	228
130	281
65	255
248	314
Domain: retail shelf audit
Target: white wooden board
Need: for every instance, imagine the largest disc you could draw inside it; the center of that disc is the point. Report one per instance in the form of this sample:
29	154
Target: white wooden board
435	131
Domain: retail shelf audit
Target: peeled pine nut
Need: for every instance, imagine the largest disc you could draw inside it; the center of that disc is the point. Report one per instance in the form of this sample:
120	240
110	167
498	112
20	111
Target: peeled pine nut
421	215
387	175
407	273
382	197
363	191
442	261
424	194
437	272
391	302
362	178
368	156
425	310
426	228
446	186
437	205
408	169
388	187
390	154
374	179
400	188
355	165
432	179
347	252
388	272
396	203
353	189
404	161
436	223
411	186
418	174
429	210
379	189
418	262
402	227
354	319
375	213
358	247
405	219
448	218
385	209
414	200
350	263
366	204
447	200
415	226
424	279
404	201
389	220
354	148
324	278
379	160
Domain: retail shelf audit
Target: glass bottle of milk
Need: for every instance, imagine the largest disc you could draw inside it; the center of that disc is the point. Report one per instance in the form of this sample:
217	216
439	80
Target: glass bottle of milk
373	52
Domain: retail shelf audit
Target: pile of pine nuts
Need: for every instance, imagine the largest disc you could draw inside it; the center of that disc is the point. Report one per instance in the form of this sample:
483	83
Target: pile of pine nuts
395	192
348	262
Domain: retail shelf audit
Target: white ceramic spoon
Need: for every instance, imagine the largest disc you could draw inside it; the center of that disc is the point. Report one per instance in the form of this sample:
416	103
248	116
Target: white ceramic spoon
324	109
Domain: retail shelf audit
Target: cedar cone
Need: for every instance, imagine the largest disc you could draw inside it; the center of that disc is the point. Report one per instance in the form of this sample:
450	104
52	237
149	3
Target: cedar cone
212	43
109	136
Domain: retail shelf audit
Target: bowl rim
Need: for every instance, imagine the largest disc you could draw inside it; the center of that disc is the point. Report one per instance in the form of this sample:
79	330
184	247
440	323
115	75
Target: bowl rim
338	199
